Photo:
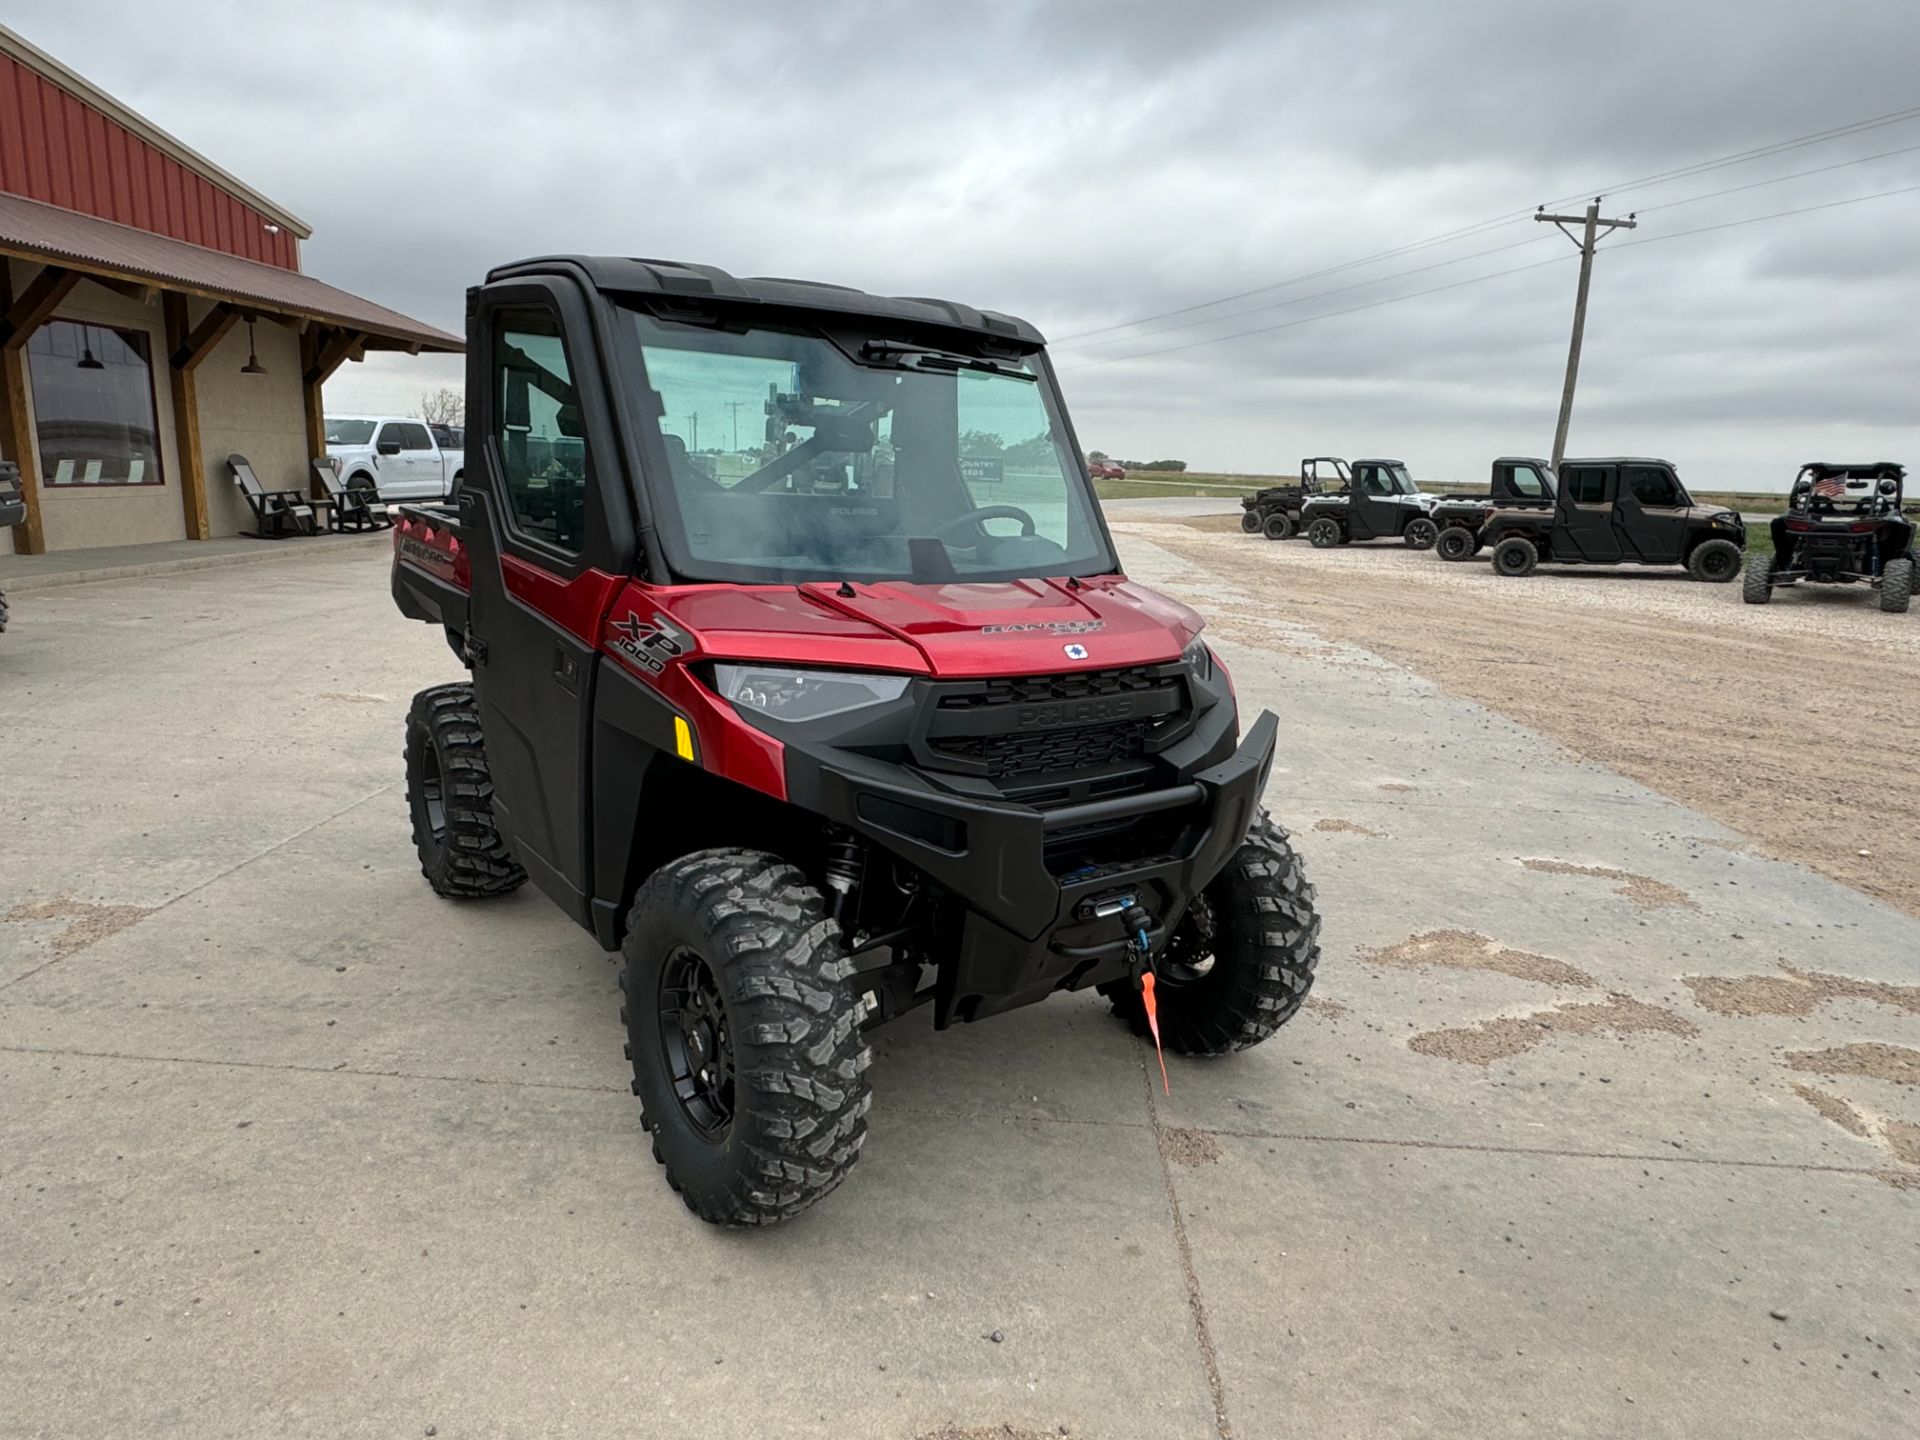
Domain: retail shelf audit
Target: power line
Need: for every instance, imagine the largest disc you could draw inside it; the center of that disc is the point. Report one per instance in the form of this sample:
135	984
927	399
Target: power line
1482	279
1776	180
1480	227
1322	294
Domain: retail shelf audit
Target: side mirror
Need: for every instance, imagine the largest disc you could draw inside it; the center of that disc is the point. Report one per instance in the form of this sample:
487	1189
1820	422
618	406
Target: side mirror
388	447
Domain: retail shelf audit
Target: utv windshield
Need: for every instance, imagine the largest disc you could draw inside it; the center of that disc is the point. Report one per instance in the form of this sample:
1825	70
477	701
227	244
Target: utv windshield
795	457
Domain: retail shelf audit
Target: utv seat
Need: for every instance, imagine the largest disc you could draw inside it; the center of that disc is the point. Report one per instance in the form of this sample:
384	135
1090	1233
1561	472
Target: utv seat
277	514
353	507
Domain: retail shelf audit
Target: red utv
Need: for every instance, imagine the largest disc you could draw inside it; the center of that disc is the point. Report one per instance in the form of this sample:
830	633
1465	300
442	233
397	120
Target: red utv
804	728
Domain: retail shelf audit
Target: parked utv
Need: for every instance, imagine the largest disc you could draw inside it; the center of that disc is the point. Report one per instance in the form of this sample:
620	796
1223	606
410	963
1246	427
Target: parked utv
13	511
1843	526
1275	511
1519	482
1621	511
809	729
1382	502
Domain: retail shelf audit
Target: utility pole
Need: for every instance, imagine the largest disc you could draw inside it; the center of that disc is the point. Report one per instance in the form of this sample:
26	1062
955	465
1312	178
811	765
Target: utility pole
1592	223
733	407
693	428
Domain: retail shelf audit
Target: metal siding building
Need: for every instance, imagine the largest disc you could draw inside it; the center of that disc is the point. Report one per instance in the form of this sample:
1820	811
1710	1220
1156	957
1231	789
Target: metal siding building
159	304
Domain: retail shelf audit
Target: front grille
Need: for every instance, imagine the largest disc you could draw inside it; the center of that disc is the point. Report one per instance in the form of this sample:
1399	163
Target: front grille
1018	727
1049	753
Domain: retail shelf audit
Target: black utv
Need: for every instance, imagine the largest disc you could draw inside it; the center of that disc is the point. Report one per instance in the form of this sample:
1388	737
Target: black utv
1381	503
1275	511
1520	482
1619	511
13	510
1843	526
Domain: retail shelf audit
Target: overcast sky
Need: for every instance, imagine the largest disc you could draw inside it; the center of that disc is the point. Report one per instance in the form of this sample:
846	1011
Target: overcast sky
1085	164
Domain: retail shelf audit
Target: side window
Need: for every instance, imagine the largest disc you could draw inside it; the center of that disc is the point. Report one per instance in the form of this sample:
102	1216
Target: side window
1587	484
390	435
414	437
1527	481
1373	482
543	457
1651	485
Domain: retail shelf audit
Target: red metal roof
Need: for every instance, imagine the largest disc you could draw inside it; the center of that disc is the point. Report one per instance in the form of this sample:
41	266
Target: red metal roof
57	147
84	242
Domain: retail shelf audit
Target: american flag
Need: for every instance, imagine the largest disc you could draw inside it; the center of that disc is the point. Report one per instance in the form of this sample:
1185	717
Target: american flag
1831	488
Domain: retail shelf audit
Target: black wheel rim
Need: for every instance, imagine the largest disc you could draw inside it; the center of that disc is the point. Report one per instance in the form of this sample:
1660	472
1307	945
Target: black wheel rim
1512	561
697	1041
1188	957
433	794
1717	563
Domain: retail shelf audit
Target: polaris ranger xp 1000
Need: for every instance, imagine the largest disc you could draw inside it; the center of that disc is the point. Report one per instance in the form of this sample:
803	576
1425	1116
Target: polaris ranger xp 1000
805	677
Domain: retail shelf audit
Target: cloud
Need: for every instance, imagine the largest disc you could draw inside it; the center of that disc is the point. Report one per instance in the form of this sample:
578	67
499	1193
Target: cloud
1087	163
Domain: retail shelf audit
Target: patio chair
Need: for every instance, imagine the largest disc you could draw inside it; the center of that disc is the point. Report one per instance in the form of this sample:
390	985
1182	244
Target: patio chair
351	507
277	514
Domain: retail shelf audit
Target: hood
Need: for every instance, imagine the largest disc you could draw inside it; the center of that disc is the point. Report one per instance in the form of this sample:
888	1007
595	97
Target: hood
958	630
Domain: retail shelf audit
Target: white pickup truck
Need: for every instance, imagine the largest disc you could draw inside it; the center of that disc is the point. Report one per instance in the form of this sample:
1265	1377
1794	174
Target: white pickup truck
400	457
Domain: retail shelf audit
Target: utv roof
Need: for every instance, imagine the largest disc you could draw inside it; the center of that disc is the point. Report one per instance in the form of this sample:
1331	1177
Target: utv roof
681	281
1523	460
1870	467
1615	460
1377	460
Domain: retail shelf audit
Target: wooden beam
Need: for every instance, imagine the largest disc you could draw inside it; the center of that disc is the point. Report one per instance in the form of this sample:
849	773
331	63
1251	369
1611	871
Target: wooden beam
132	289
36	303
310	403
187	352
186	409
17	442
338	348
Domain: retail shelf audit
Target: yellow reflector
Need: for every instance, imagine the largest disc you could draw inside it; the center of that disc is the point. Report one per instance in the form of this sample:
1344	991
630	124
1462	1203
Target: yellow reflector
682	739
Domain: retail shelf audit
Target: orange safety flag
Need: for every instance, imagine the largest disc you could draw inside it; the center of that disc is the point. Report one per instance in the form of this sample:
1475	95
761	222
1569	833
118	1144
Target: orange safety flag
1153	1024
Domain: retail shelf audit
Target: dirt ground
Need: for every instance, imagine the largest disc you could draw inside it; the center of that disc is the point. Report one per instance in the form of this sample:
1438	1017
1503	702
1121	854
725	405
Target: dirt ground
1795	723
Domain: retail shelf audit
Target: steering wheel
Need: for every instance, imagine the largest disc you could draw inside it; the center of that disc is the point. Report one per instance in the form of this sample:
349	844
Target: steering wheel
978	519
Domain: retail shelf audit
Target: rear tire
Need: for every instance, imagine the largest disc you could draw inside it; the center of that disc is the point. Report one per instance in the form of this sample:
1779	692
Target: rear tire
1515	557
1278	526
3	612
450	796
744	1036
1756	587
1715	561
1324	533
1456	542
1250	522
1896	586
1420	534
1264	946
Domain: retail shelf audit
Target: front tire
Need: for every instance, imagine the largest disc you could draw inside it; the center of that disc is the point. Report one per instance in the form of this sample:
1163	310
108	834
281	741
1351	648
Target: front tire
1456	543
1896	587
1250	522
1756	587
744	1036
1324	533
1241	961
1515	557
1278	526
1715	561
3	612
450	797
1420	534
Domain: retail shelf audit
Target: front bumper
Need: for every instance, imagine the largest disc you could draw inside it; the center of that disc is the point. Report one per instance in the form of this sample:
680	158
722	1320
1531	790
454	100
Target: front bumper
1026	927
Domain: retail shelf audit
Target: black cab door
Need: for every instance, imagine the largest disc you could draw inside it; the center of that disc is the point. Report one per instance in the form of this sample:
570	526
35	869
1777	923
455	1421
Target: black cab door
1586	513
1371	511
550	543
1652	514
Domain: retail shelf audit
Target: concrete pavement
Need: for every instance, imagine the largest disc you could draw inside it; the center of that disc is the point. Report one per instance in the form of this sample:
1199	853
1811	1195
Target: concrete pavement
294	1146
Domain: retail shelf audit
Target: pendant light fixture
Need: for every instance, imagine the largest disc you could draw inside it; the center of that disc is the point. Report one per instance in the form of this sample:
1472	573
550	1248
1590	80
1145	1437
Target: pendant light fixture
87	359
253	365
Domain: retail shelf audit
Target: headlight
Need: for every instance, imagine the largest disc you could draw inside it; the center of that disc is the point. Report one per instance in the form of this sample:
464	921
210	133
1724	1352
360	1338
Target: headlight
786	693
1198	658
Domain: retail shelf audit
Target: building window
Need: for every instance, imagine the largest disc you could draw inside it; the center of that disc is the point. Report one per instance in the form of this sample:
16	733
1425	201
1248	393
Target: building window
93	405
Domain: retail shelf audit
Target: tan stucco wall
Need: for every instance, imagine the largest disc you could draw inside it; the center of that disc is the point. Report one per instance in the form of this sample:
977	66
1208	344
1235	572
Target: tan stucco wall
76	518
258	416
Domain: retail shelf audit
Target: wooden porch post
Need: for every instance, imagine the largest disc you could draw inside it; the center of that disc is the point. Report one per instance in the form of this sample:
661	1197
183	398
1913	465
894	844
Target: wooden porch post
323	350
186	348
18	320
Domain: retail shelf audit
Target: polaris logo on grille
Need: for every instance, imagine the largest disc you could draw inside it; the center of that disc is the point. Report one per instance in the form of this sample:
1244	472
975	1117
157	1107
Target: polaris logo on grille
1075	712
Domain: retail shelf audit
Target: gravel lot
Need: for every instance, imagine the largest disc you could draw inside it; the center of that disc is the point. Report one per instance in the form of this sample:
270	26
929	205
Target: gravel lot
1792	723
